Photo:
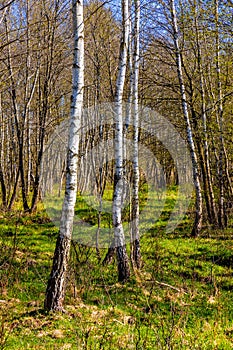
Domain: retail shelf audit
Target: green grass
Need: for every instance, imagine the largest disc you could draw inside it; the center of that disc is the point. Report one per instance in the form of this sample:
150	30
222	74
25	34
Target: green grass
181	299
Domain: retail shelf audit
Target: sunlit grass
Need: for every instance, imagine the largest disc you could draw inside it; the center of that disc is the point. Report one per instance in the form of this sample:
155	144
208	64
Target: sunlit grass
181	298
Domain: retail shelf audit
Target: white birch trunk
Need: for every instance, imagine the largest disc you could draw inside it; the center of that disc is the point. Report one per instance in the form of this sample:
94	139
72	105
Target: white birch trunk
135	197
199	210
130	66
56	285
122	258
221	214
213	211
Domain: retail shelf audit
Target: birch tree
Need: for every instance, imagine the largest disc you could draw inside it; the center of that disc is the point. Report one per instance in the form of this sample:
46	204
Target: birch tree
206	170
122	257
221	213
55	292
135	197
196	177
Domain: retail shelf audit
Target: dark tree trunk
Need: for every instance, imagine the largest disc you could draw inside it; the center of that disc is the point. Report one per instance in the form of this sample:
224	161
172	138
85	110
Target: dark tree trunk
3	188
137	253
123	264
35	196
13	196
110	255
55	292
22	177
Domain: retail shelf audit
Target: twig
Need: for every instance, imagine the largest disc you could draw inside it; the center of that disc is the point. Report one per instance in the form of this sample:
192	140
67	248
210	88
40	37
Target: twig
169	286
172	287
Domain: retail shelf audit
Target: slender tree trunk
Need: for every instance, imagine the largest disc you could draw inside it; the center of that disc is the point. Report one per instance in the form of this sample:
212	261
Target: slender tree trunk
199	207
55	292
19	126
207	171
14	193
43	114
128	118
36	186
221	213
3	188
2	178
29	154
135	190
122	257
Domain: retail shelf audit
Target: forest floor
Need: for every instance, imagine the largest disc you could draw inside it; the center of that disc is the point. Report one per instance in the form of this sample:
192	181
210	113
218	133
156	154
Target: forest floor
181	298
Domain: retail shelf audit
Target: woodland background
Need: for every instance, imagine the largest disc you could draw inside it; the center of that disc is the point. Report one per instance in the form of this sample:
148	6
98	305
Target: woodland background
181	297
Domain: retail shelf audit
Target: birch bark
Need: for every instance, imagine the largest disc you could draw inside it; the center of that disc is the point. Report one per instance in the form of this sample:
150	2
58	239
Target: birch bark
135	197
199	206
122	257
55	292
221	213
206	171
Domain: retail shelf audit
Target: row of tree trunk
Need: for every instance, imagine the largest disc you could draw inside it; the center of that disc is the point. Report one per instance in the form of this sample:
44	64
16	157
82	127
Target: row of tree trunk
55	292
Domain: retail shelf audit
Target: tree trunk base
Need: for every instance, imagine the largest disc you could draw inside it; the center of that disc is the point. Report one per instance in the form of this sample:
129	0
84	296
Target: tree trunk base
123	264
109	256
137	254
55	292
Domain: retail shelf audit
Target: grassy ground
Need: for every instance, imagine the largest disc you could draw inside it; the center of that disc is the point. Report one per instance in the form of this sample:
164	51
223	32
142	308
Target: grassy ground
181	299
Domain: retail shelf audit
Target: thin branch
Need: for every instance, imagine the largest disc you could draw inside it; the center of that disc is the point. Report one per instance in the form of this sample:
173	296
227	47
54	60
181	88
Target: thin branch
7	5
168	285
219	100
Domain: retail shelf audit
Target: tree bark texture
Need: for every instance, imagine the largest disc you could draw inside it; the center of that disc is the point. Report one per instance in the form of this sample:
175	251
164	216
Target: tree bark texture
122	257
55	292
136	175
